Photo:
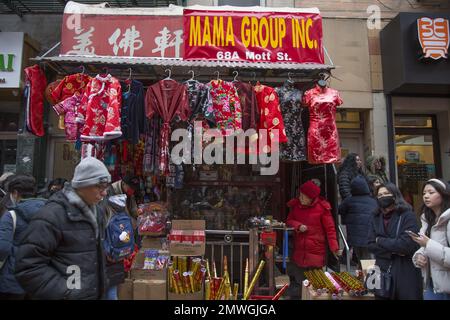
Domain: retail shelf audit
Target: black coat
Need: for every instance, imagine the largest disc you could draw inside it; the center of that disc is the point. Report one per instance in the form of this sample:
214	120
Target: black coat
63	234
357	212
407	279
345	178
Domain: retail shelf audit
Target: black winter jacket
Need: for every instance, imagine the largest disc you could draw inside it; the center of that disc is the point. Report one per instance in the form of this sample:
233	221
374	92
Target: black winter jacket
357	212
64	237
345	178
407	279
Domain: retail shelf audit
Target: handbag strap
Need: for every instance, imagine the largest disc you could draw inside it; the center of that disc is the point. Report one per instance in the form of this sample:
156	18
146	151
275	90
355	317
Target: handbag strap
396	236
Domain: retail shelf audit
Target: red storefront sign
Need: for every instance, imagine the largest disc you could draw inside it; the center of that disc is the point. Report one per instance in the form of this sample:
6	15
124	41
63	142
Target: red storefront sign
253	36
122	35
213	35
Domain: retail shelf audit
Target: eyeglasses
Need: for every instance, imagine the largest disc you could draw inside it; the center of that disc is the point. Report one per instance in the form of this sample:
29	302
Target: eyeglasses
102	186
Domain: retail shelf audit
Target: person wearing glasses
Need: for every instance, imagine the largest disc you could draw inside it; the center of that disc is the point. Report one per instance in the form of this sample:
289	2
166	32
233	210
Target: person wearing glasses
61	255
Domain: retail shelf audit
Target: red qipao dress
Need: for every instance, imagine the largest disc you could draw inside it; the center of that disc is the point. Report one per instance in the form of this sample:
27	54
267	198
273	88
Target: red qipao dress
323	138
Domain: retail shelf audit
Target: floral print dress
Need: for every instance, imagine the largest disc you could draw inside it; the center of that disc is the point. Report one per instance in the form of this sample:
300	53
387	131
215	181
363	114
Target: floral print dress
100	108
323	139
290	100
226	106
270	116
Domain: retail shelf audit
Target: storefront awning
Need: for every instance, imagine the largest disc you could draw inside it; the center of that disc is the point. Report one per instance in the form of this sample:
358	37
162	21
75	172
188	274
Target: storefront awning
154	67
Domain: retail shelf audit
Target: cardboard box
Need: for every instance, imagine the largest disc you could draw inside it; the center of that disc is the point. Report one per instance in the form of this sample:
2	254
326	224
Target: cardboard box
153	243
125	290
137	271
366	265
187	296
150	290
187	238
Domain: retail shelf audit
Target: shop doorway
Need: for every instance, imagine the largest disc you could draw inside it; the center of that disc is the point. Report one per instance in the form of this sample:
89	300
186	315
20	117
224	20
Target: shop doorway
62	160
417	154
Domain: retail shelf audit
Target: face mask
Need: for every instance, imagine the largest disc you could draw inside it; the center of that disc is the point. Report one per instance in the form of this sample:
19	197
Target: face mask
385	202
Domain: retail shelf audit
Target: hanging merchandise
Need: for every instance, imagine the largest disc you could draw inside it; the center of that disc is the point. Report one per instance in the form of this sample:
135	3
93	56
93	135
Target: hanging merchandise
290	100
68	108
168	99
132	115
101	109
270	115
70	85
150	161
74	84
200	101
226	106
49	91
323	139
34	94
249	106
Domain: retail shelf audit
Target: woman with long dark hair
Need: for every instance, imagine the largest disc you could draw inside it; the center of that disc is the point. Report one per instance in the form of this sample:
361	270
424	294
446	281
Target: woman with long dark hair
392	246
350	168
434	255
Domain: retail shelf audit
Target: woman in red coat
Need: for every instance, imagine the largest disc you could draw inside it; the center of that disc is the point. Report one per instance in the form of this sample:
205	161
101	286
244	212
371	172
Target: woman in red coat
311	218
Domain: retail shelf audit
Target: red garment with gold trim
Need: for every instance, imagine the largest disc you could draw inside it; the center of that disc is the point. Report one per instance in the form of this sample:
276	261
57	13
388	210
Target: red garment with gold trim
100	108
74	83
323	138
270	115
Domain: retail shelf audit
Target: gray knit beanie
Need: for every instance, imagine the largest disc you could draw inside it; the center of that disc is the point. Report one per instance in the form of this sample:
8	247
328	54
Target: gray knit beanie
90	171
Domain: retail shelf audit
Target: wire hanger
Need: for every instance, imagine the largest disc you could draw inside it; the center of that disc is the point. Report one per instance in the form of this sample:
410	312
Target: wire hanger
218	75
193	74
170	74
290	78
105	70
83	69
235	73
128	81
254	76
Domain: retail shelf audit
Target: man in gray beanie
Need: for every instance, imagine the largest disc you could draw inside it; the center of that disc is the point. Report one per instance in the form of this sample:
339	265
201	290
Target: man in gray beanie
61	255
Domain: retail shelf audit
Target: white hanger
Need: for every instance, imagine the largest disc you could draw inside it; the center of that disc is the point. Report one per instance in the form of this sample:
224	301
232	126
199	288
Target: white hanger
170	73
235	75
193	74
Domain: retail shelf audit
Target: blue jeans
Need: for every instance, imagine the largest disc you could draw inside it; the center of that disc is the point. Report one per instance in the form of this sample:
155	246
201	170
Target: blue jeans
430	295
111	293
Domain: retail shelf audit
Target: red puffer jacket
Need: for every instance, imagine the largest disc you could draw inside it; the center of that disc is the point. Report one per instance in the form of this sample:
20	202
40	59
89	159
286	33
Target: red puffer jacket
309	246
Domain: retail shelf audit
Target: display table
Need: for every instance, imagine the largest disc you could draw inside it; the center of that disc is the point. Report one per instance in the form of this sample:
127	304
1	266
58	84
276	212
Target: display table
309	294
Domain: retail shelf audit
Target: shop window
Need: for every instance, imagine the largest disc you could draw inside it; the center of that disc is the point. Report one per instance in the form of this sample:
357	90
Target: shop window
413	121
349	120
9	122
8	151
417	153
225	196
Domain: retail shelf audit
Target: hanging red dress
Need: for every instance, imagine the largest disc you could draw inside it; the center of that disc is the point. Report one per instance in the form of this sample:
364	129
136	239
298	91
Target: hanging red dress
100	107
167	98
270	116
323	138
36	83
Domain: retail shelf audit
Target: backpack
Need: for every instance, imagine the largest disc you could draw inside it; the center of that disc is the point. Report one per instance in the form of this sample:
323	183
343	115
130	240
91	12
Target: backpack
119	237
14	218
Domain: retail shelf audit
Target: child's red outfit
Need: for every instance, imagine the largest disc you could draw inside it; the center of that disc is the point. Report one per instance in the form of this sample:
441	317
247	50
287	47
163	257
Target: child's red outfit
100	108
310	246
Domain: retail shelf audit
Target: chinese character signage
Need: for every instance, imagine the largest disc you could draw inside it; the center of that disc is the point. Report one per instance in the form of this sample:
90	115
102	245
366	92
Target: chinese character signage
433	37
253	36
123	36
11	51
198	34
